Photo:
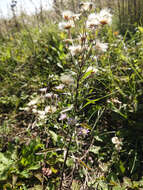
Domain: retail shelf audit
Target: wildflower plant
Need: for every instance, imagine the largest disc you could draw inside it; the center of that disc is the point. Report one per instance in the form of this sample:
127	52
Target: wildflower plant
84	45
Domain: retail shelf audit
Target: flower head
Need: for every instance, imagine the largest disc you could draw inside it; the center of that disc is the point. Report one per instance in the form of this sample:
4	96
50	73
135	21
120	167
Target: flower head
101	18
92	21
67	79
49	95
66	25
60	87
46	171
117	142
67	15
63	116
41	114
83	131
101	47
50	109
118	147
75	49
105	17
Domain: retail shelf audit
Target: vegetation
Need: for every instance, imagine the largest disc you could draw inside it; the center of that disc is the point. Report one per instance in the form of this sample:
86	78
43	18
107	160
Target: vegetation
71	104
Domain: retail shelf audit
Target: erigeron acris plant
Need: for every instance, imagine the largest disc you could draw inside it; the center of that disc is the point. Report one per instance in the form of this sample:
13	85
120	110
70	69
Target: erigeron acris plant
83	42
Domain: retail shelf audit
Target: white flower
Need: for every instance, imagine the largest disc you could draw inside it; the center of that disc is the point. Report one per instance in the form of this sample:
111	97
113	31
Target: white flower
41	114
60	87
67	15
92	21
66	25
85	6
67	79
75	49
105	17
116	101
50	109
63	116
43	89
34	110
118	147
26	109
49	95
101	47
115	140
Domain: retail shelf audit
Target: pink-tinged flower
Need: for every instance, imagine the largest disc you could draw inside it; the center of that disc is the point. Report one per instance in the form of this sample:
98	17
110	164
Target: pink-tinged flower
63	116
46	171
83	131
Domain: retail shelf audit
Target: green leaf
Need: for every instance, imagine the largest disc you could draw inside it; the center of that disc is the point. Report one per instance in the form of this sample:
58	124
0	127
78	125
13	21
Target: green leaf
75	185
5	165
54	136
140	29
39	176
122	168
95	149
70	162
87	74
25	174
35	167
127	182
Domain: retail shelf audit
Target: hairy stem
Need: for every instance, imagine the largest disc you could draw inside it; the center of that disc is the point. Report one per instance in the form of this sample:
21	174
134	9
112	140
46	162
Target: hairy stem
64	164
